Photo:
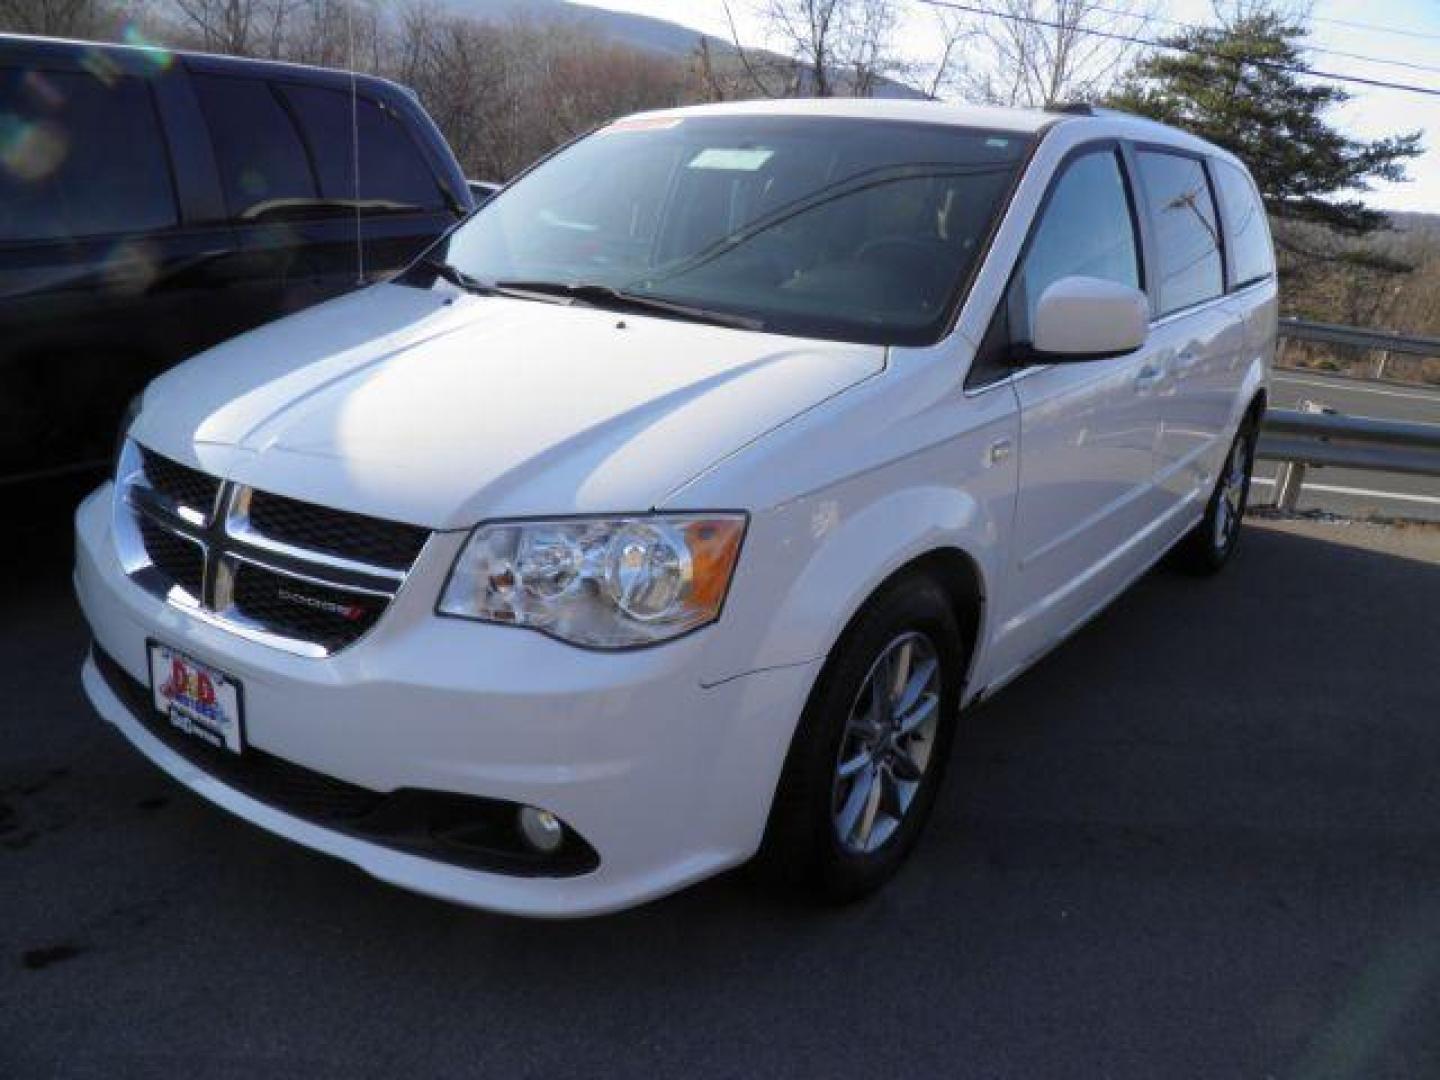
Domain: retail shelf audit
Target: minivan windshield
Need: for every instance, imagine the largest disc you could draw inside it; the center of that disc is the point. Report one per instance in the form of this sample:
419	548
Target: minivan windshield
852	230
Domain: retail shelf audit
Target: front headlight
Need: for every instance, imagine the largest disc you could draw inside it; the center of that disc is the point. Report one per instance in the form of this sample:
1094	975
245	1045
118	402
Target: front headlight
606	583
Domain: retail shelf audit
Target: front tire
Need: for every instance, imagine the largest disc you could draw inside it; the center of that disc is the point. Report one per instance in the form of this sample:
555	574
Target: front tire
1209	546
870	750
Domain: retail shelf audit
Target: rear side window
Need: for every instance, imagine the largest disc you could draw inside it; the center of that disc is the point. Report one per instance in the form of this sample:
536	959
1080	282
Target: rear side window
1187	236
262	161
80	156
392	169
1086	229
1246	233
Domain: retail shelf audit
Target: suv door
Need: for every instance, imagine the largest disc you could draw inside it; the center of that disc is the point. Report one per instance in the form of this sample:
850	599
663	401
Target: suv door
1195	336
1087	428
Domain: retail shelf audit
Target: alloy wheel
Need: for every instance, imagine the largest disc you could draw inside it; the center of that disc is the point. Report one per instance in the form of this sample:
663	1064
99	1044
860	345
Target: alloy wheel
1231	506
887	744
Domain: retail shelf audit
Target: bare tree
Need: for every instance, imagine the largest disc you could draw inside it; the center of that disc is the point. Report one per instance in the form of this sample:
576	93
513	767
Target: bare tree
819	48
61	18
1042	52
227	26
954	32
841	46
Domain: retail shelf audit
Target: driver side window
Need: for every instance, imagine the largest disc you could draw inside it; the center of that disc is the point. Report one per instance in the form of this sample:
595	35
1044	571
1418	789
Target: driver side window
1085	229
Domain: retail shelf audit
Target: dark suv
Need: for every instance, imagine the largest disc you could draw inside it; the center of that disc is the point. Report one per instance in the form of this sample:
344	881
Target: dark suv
153	204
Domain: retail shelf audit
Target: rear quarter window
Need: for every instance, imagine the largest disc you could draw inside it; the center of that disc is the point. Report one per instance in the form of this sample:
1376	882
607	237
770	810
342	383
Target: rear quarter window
80	156
1247	234
392	168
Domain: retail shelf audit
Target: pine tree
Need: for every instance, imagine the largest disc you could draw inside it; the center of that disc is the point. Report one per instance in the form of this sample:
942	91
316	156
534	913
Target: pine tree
1237	86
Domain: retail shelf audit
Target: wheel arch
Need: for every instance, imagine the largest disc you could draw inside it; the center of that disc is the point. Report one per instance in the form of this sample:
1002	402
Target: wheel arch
958	573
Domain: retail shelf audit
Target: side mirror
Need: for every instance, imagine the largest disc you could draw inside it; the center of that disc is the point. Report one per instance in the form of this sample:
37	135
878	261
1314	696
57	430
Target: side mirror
1085	318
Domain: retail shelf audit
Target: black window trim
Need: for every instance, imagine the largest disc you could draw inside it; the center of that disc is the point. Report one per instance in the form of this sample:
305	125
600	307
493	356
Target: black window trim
1221	245
993	341
288	108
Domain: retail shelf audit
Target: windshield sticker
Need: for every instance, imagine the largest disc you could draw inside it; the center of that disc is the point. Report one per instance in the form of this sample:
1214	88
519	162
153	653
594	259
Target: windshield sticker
733	160
642	123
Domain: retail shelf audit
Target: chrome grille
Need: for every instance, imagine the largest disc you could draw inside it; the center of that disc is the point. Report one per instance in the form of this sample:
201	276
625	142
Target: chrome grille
177	557
336	532
291	574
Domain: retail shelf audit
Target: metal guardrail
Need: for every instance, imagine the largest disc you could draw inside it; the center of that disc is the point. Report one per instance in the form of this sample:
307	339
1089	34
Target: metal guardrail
1301	439
1379	340
1317	436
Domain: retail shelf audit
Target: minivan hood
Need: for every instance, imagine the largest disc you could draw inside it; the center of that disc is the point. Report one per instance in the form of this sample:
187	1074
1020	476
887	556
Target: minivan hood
443	410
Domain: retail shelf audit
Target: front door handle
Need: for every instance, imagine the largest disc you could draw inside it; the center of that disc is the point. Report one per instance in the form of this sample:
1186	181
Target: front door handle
1148	375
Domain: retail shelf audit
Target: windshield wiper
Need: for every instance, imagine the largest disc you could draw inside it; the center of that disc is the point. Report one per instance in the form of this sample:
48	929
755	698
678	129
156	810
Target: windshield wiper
606	296
455	275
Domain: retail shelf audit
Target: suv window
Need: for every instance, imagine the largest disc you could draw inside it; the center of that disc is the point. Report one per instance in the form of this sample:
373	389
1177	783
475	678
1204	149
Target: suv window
1246	232
262	160
392	168
1086	228
1187	236
80	157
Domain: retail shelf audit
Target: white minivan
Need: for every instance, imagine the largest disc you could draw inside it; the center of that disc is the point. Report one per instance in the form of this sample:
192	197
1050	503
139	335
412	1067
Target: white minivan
672	508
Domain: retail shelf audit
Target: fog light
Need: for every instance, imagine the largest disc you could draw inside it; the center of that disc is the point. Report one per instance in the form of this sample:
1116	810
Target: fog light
542	830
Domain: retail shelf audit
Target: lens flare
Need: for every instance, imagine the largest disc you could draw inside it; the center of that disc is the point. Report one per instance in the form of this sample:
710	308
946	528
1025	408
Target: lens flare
39	90
29	150
102	67
130	268
157	56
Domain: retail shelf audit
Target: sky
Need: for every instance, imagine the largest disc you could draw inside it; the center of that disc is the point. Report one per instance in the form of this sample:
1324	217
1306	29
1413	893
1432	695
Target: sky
1371	113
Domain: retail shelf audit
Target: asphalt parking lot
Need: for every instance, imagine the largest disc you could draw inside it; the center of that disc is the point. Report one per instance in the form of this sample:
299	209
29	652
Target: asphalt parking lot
1200	840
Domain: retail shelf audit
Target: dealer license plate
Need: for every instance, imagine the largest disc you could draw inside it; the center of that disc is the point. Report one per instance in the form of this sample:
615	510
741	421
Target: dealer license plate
200	700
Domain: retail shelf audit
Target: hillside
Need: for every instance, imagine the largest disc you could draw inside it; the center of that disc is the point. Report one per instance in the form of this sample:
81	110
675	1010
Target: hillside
638	31
656	36
1342	290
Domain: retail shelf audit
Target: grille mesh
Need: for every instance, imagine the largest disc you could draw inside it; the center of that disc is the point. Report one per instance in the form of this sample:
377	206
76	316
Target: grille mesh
181	561
329	611
329	617
390	544
180	484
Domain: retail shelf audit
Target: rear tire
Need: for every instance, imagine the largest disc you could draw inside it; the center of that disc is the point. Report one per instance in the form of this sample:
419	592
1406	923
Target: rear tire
870	750
1208	547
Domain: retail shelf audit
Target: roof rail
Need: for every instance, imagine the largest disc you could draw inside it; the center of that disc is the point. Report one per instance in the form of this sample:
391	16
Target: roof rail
1085	108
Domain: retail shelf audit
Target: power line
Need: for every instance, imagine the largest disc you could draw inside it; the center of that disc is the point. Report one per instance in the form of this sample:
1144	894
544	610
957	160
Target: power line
1356	24
1319	49
1135	39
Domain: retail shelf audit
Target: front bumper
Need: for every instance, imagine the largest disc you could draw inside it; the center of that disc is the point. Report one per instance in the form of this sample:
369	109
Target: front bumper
667	780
